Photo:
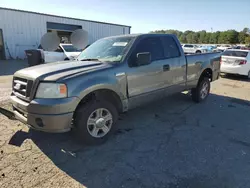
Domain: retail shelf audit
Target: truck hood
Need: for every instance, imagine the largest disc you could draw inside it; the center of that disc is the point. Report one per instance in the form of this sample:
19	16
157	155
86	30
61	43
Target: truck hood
57	70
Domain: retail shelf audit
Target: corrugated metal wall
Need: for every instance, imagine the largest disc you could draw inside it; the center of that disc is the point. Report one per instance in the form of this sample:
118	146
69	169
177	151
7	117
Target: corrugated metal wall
23	30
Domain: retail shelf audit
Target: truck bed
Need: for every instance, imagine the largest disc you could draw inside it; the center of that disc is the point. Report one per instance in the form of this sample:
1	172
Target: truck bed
196	61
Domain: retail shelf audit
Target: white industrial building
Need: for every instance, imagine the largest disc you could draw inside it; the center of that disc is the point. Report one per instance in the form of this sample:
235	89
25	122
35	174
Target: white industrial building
21	30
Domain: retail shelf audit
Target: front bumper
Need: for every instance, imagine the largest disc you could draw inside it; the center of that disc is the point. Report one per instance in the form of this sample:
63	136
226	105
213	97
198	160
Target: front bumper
48	115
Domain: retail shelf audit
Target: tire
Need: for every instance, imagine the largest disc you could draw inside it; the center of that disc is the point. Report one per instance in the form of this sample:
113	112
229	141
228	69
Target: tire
84	131
198	94
198	52
248	76
66	59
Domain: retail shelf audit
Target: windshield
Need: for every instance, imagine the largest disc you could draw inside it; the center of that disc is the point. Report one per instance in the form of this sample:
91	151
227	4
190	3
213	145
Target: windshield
70	48
235	53
107	49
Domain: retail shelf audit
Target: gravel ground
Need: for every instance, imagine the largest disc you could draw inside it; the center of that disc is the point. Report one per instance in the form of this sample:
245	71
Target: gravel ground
172	143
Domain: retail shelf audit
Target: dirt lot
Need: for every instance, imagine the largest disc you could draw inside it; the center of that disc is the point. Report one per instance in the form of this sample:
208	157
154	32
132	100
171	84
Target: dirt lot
171	143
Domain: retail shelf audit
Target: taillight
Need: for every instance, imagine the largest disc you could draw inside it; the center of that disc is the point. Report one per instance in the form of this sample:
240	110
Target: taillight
242	62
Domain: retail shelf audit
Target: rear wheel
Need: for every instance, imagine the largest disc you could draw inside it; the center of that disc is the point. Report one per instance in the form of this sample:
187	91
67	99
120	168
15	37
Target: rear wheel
198	52
248	76
201	92
95	121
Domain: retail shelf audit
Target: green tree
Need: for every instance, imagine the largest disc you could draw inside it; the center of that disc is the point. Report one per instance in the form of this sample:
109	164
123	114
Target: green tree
241	37
207	38
223	37
202	36
232	37
214	37
246	30
189	37
195	38
247	40
183	39
228	37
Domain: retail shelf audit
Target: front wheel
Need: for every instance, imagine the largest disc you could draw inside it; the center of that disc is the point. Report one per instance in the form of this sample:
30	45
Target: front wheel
201	92
95	121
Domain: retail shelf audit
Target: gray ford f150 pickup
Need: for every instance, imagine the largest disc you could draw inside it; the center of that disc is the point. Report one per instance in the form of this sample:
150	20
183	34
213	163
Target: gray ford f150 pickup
111	76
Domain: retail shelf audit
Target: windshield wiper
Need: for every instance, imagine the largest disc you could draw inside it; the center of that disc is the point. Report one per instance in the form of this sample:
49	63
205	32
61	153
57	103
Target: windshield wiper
90	59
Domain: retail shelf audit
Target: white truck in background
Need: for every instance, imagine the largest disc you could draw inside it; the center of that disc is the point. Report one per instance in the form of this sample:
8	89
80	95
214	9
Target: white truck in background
63	52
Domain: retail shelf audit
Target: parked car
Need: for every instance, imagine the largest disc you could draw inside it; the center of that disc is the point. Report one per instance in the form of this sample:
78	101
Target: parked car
236	47
224	47
111	76
236	61
208	48
192	49
63	52
245	48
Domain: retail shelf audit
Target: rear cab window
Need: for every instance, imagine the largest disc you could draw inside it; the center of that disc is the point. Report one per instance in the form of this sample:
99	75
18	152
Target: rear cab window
235	53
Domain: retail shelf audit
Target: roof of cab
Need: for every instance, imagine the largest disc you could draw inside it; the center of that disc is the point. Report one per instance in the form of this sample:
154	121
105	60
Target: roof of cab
140	34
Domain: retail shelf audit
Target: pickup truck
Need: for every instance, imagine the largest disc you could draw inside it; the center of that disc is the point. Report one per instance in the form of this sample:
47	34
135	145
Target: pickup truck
63	52
111	76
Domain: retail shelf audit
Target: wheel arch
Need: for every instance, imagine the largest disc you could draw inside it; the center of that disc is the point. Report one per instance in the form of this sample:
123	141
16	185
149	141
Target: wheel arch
102	94
206	73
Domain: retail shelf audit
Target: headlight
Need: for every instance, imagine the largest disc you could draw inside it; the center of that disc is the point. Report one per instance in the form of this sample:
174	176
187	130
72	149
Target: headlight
51	90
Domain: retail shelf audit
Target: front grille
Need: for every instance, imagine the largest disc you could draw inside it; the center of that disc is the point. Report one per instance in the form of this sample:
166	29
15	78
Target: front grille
22	87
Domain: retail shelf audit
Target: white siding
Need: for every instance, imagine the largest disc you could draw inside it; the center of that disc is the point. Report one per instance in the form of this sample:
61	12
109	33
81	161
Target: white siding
23	30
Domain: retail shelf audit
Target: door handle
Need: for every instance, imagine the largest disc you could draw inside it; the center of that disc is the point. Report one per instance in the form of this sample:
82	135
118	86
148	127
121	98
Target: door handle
166	67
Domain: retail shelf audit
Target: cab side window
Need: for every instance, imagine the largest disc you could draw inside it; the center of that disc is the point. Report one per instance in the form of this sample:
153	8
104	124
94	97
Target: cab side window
170	47
150	44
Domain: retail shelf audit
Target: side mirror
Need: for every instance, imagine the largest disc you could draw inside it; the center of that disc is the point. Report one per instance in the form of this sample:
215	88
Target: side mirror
143	58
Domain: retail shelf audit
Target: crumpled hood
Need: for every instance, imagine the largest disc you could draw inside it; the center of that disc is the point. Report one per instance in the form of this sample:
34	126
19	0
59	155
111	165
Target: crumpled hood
57	70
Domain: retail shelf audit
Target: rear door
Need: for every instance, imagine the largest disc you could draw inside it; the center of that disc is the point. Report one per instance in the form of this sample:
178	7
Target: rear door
149	82
176	76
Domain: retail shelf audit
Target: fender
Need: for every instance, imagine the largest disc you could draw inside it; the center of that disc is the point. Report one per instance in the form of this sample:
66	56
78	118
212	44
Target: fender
213	64
116	83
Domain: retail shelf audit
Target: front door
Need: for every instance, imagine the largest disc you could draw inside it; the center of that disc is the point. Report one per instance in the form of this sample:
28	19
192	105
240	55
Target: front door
147	82
2	53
